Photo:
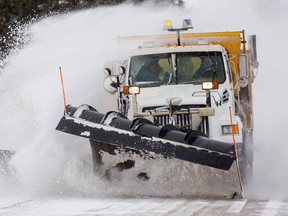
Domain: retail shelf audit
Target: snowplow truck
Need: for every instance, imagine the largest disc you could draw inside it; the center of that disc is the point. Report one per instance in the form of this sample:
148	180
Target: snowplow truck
184	97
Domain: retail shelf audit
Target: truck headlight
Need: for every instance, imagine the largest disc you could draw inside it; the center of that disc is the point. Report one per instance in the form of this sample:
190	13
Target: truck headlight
131	90
210	85
229	129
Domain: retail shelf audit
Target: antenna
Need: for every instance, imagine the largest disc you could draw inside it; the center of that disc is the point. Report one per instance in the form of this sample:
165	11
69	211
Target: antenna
63	90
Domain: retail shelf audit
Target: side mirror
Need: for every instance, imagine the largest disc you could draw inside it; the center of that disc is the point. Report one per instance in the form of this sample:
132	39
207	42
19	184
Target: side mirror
122	70
110	84
107	71
114	68
243	71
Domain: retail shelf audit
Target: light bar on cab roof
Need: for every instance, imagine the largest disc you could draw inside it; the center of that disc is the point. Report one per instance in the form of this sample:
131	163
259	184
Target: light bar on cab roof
167	25
186	24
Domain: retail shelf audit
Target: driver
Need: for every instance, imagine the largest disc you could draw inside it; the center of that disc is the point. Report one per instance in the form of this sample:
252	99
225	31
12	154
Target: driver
206	65
149	72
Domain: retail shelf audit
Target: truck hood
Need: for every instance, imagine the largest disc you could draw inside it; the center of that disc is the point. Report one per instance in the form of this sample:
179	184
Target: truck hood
157	96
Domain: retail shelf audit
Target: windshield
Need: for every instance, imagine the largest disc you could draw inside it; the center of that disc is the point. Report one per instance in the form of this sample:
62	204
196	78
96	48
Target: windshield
176	68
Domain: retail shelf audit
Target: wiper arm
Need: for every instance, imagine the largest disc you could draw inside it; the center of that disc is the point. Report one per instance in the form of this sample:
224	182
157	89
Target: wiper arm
146	82
190	82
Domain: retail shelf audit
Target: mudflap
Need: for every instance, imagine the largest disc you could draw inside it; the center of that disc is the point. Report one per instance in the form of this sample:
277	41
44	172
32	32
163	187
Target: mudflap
213	163
246	157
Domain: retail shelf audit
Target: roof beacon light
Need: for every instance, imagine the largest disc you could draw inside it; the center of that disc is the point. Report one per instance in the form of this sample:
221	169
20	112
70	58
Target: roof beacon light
167	25
187	24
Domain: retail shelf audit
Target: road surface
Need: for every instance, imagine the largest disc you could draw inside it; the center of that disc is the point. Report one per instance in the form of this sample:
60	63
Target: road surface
141	206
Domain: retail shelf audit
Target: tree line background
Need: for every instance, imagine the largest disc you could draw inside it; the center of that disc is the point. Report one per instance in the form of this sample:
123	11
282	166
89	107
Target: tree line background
14	13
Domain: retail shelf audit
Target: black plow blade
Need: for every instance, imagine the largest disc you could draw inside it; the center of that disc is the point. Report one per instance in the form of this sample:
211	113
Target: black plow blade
141	135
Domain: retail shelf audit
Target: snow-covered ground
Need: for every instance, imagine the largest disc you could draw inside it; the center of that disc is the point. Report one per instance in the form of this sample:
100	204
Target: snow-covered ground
51	170
141	206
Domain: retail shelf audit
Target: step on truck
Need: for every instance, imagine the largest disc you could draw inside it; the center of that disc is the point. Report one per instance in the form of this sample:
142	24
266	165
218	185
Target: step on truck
183	97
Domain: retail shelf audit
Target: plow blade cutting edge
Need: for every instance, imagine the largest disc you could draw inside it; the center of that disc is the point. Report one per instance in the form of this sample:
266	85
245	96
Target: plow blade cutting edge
216	158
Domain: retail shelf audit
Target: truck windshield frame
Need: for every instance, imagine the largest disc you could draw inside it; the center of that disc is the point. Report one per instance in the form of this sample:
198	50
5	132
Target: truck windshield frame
176	68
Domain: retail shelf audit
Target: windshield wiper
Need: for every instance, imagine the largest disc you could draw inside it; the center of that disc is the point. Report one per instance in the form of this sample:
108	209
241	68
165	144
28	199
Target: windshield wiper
191	82
148	83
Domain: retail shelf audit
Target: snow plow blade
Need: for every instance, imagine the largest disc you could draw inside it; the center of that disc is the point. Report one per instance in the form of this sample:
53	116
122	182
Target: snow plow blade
143	136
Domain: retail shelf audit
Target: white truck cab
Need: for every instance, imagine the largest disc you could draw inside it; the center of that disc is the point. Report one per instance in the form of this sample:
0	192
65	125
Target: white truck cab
174	94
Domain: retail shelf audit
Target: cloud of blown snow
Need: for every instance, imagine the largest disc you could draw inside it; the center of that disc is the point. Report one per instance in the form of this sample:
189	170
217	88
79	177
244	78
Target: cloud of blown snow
30	89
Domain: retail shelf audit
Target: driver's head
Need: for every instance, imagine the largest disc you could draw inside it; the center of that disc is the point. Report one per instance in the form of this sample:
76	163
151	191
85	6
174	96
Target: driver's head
154	67
206	61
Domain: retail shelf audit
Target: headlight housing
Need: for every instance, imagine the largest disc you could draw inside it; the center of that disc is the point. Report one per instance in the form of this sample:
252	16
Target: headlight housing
210	85
230	129
131	90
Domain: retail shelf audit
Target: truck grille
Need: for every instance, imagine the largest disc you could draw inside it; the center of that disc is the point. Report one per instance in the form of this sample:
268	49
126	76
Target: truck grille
180	119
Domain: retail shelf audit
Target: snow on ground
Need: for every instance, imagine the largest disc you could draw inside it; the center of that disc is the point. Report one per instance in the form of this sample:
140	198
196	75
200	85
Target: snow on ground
141	206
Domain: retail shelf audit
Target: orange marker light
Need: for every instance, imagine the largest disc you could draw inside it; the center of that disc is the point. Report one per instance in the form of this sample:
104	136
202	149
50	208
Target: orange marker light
126	90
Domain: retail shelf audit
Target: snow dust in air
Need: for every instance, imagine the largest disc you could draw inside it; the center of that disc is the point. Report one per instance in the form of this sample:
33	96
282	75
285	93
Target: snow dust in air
50	163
